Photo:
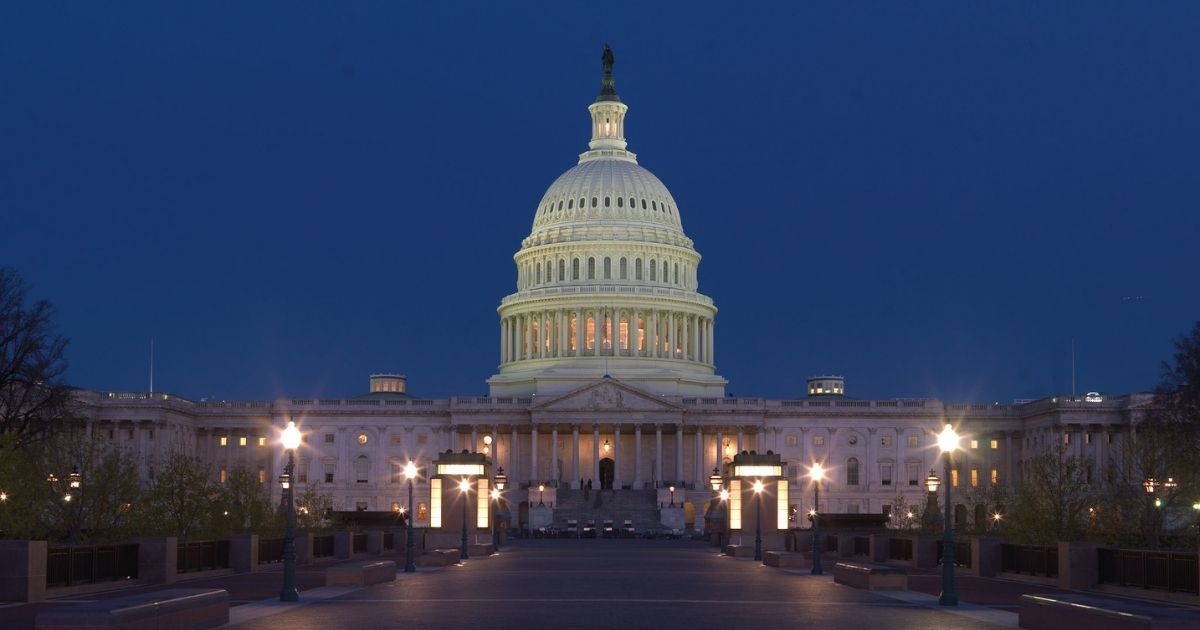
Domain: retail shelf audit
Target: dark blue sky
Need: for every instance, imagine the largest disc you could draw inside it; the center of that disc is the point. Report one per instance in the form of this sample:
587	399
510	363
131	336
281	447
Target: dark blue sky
930	198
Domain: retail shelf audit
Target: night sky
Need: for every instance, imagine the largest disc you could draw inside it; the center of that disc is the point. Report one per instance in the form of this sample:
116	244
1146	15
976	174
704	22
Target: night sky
932	199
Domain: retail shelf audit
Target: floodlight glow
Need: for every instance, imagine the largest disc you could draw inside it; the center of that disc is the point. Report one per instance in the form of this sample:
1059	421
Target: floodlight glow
948	439
410	470
464	486
758	486
817	472
291	436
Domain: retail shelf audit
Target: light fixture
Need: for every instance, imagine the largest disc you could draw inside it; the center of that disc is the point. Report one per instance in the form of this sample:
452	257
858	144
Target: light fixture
758	486
495	493
948	439
67	497
817	472
715	480
932	483
487	440
607	447
501	478
464	485
728	448
724	495
3	496
410	470
75	479
291	436
285	481
1150	484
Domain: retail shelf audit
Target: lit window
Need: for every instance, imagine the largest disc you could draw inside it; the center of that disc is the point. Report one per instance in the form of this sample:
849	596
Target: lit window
262	475
914	441
995	444
885	440
435	502
995	477
591	333
974	477
224	440
1066	438
362	438
974	443
735	504
954	477
223	475
791	440
242	441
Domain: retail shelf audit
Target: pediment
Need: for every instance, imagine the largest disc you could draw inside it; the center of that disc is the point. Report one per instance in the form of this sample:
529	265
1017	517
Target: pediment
607	394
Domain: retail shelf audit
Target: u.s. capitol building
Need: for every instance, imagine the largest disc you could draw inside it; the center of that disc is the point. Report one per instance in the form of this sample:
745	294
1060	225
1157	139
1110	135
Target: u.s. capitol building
607	373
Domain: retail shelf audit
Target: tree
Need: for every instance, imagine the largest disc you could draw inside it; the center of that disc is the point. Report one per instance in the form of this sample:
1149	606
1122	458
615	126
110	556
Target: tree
33	396
101	509
183	501
312	510
1051	503
247	504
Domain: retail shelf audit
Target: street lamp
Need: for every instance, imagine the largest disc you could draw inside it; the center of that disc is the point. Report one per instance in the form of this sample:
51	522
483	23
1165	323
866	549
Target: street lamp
291	441
816	473
464	487
721	533
497	494
758	488
541	494
487	445
947	443
410	473
672	489
1150	484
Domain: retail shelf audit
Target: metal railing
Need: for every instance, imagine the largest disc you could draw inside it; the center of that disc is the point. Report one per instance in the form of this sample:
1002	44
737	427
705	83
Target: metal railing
1029	559
270	550
201	555
323	546
1154	570
67	566
900	549
962	553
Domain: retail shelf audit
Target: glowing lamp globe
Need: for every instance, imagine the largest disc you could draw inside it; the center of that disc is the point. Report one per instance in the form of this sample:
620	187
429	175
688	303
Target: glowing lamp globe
291	436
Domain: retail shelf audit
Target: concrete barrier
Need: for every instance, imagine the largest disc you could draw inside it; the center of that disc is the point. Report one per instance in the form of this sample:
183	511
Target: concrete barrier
360	573
172	608
22	570
1070	610
740	551
870	576
786	560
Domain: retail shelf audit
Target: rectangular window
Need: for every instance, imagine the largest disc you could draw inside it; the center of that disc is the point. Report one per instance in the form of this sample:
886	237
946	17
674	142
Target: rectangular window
1066	438
818	440
224	440
974	477
329	469
262	475
995	477
608	322
885	440
781	504
625	333
302	475
435	502
886	510
791	440
995	444
396	439
262	441
641	333
954	477
329	438
590	338
223	475
572	335
914	441
483	502
242	441
974	443
735	504
914	474
885	474
360	506
1087	438
397	472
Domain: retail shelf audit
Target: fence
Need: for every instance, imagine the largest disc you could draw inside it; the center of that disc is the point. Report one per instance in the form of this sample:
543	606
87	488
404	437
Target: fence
1154	570
270	550
323	546
359	543
201	555
962	553
900	549
862	545
1029	559
67	566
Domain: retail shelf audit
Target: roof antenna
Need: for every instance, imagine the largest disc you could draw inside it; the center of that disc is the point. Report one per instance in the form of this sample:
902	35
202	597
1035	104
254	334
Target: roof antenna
1072	366
152	365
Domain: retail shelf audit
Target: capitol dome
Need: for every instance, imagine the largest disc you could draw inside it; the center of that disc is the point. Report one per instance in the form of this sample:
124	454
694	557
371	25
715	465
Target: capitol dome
607	280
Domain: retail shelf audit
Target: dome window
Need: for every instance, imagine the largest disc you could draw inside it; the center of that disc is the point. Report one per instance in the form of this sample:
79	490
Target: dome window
643	204
591	269
607	268
676	272
632	202
575	269
654	205
624	269
582	202
637	269
562	270
607	202
560	206
593	202
620	202
653	271
570	203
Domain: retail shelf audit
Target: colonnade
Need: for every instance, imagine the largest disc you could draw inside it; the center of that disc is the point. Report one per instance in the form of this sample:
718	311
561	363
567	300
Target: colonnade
606	331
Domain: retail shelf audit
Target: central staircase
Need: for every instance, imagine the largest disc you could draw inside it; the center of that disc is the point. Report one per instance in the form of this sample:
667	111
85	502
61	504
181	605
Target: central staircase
618	506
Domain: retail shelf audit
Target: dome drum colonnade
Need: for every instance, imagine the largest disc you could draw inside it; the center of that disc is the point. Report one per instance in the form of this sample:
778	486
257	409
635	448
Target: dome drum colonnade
607	280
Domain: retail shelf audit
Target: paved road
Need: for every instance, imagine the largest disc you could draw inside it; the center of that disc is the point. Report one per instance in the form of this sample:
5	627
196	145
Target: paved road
616	584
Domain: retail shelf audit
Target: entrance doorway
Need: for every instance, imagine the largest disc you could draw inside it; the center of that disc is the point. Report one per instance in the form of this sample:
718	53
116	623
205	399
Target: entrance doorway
607	467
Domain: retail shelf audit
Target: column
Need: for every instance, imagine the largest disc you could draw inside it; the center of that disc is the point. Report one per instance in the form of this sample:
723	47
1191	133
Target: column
671	335
597	333
554	455
719	460
579	324
596	455
637	456
575	456
564	327
519	338
678	452
712	349
740	448
504	340
657	454
652	337
698	461
533	455
513	472
696	339
474	439
616	457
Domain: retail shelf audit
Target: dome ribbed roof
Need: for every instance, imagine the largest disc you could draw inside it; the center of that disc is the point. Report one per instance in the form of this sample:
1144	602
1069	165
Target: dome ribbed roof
609	190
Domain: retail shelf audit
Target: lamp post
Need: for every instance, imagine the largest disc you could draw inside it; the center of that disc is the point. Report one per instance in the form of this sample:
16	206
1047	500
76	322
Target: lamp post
464	487
541	493
74	483
291	441
1150	484
410	472
497	494
724	504
715	482
758	488
672	489
817	473
947	443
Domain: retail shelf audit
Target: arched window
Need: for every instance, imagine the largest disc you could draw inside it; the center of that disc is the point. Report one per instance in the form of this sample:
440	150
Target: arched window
539	274
852	471
643	203
549	272
653	270
575	269
560	206
632	202
654	205
620	202
362	469
637	269
607	202
562	270
582	202
980	517
591	268
593	202
665	273
607	268
624	269
570	204
676	273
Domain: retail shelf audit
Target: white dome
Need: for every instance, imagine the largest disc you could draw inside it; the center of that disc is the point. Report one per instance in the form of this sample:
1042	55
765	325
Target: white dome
607	189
